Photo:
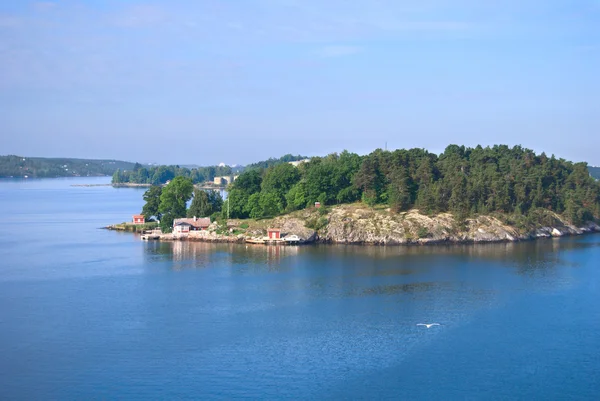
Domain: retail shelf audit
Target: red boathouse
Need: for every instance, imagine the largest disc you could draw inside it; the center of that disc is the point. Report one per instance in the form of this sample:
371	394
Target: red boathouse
274	233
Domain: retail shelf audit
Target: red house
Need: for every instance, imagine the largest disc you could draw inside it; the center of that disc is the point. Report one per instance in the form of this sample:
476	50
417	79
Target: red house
138	219
185	225
274	233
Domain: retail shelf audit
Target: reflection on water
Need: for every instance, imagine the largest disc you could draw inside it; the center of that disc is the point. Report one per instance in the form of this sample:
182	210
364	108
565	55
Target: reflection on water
455	277
191	254
526	257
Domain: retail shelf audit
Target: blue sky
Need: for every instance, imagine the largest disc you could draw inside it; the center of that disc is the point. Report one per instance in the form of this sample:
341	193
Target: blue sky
205	82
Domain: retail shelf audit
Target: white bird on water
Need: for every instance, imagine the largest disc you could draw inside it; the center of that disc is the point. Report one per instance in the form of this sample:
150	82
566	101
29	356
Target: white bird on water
428	325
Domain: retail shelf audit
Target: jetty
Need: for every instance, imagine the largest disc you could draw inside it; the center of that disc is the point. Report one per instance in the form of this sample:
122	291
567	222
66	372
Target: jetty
255	241
149	235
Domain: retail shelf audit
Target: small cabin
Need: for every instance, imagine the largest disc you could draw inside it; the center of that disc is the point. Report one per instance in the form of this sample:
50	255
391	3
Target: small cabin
182	227
317	204
139	219
274	233
185	225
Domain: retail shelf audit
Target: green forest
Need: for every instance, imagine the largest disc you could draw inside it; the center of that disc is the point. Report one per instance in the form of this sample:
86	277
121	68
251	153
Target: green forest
41	167
464	181
161	174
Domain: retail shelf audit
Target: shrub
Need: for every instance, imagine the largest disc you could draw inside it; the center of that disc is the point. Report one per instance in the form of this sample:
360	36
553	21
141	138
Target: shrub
317	223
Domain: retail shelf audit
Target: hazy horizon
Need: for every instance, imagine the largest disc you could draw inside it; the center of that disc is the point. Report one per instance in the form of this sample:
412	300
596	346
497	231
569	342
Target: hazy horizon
205	82
234	164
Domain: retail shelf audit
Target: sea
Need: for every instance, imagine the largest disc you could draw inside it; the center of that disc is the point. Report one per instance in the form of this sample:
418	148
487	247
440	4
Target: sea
92	314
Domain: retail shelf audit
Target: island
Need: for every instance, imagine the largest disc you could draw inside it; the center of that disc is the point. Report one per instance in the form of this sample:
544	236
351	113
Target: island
12	166
413	196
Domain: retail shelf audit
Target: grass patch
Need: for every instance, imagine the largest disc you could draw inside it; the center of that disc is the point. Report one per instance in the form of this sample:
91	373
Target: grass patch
316	223
136	228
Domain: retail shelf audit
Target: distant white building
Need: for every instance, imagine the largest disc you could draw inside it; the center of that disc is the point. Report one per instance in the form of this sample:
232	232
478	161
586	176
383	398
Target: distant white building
225	179
298	162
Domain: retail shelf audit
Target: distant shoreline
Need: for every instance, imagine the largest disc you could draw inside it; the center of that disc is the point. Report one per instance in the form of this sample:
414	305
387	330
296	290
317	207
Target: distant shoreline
135	185
112	185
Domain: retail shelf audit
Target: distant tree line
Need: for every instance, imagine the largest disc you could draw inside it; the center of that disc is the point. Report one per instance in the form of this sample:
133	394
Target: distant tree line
463	181
41	167
158	175
273	161
161	174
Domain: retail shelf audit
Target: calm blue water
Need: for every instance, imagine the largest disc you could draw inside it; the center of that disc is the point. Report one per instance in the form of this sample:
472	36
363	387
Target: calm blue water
93	314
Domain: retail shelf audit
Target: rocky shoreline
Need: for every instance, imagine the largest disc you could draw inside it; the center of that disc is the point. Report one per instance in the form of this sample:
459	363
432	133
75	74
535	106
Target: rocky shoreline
357	224
362	226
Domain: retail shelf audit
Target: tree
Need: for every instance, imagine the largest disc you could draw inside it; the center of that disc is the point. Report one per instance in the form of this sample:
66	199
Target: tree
173	200
152	198
215	200
238	200
398	191
369	180
279	180
296	197
116	178
253	207
247	184
200	206
270	204
163	174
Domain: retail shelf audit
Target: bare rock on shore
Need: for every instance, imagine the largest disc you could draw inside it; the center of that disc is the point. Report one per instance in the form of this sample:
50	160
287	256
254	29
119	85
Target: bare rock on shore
354	224
295	226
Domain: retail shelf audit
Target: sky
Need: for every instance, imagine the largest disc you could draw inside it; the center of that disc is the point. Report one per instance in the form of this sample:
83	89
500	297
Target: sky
210	81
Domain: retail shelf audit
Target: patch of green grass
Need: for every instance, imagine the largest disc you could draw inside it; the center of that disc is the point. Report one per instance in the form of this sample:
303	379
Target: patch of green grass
136	228
317	223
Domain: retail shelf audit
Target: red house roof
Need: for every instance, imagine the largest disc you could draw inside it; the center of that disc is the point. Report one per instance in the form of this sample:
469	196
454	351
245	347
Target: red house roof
202	222
138	216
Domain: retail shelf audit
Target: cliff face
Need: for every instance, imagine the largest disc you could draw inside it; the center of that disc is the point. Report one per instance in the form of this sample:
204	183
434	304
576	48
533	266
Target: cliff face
349	224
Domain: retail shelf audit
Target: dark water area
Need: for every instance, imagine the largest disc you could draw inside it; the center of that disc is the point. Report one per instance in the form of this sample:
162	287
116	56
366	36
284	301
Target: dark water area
87	313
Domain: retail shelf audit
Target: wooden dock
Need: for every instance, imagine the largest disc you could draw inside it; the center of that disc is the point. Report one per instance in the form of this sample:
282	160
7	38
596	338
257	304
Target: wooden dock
255	241
149	235
294	240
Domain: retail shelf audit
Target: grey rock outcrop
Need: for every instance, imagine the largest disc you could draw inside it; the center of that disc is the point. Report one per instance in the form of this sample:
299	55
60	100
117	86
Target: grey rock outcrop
353	225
